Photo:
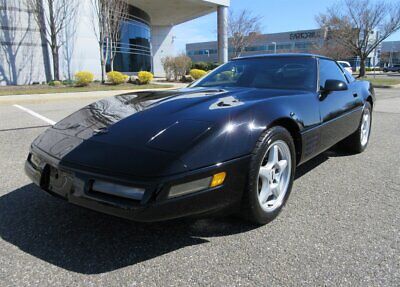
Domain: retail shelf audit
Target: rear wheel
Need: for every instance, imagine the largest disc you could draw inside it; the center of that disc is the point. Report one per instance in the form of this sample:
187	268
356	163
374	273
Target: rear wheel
271	176
359	140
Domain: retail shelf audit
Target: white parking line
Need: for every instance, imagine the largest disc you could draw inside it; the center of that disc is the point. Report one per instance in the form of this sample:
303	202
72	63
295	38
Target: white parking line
32	113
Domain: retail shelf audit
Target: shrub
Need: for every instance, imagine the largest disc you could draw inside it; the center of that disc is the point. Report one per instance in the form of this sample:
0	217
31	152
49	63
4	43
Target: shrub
182	66
176	67
212	66
200	66
372	69
168	66
187	79
68	82
116	78
83	78
145	77
197	74
205	66
55	83
134	80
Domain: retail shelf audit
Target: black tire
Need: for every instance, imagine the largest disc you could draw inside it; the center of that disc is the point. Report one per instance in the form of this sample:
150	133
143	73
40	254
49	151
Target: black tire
353	143
251	207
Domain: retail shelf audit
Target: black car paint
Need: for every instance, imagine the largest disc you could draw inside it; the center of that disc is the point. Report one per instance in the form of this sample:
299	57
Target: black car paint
156	139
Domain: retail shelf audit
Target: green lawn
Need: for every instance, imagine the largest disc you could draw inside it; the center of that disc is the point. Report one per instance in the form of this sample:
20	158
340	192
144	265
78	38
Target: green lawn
378	81
45	89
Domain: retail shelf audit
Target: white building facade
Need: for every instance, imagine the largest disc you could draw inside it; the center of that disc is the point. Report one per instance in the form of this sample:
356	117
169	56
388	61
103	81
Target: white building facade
146	37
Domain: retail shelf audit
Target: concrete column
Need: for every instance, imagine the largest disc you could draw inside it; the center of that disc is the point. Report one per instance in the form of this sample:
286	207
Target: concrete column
161	45
222	34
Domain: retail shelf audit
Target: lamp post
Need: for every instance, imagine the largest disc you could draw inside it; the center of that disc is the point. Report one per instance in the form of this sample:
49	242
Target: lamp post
274	43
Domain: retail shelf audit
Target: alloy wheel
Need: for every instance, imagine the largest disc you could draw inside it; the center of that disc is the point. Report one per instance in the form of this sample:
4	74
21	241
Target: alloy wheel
365	127
274	176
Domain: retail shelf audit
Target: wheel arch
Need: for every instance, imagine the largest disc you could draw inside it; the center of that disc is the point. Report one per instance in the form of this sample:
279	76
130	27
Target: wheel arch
294	131
370	100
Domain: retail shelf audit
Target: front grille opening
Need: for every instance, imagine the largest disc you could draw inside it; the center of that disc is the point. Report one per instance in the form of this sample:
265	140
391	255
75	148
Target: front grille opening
115	194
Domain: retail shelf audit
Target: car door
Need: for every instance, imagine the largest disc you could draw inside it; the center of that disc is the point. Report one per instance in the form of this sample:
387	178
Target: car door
340	111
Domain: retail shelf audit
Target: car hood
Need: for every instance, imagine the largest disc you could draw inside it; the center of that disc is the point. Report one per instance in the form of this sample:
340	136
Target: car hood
145	133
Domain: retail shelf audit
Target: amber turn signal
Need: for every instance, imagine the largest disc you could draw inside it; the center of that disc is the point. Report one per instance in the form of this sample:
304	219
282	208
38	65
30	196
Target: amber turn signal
218	179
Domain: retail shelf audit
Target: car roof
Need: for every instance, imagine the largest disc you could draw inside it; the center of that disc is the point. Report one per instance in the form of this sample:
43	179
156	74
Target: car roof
294	55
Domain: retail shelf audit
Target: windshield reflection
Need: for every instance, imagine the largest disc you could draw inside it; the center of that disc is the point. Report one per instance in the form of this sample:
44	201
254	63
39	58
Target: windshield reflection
278	72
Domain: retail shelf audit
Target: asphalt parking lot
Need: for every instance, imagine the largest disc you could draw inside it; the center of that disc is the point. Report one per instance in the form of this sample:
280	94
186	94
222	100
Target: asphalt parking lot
341	225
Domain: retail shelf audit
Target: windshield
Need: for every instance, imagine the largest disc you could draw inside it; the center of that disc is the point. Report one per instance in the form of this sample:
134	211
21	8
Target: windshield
289	73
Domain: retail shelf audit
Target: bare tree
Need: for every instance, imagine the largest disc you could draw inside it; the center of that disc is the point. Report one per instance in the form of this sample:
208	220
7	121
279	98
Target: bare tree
243	30
100	29
107	19
52	16
176	67
361	25
333	50
181	66
69	40
11	40
168	64
117	14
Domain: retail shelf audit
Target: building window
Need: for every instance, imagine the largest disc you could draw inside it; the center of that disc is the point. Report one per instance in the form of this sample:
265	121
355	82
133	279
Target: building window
305	45
202	52
134	48
284	46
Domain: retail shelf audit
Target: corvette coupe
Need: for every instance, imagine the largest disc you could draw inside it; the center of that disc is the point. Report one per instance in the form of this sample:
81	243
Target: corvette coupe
230	142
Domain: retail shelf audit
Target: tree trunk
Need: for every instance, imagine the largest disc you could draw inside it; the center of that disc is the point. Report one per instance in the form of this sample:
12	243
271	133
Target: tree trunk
112	55
45	47
14	78
69	72
112	64
102	64
53	42
56	63
13	66
362	67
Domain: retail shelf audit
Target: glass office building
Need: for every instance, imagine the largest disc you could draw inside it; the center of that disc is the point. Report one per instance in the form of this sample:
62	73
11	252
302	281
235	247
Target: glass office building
288	42
134	48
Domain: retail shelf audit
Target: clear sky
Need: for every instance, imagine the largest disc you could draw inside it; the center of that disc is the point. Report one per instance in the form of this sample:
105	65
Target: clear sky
278	16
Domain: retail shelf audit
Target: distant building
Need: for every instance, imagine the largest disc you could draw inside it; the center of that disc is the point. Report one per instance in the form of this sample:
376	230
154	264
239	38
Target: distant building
303	41
296	41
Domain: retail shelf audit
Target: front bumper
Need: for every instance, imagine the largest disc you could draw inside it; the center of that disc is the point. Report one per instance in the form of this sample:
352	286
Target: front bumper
75	186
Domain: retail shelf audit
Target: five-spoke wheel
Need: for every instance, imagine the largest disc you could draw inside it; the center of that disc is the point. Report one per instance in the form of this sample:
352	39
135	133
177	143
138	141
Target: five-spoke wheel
365	127
271	175
274	176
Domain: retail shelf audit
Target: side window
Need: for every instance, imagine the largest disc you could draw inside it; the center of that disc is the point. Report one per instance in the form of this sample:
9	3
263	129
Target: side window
329	70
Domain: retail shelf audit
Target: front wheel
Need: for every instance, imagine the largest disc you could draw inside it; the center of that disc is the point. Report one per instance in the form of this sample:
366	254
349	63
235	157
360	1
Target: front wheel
271	175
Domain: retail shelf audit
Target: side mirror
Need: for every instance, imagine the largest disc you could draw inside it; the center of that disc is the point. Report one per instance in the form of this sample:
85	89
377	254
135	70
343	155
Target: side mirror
334	85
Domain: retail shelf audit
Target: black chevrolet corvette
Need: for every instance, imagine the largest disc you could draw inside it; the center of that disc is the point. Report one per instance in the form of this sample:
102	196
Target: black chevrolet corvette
229	142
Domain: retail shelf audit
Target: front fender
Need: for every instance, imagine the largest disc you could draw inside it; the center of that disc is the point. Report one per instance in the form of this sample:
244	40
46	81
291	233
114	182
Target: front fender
237	134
